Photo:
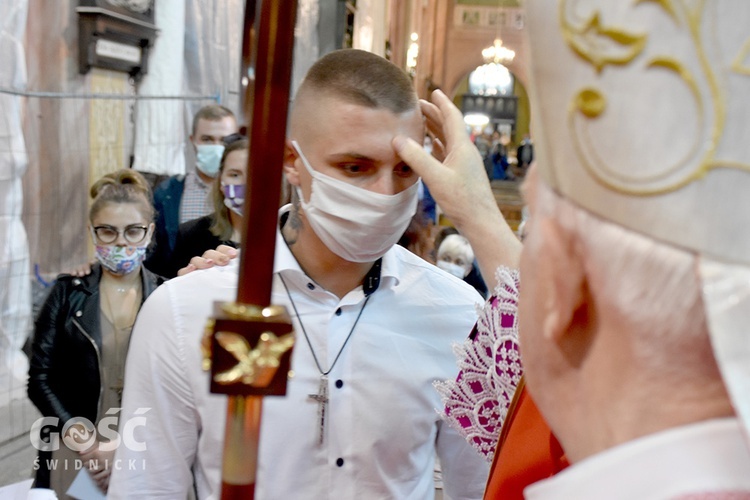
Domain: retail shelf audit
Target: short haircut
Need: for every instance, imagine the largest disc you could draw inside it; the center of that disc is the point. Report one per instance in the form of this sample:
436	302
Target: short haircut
122	186
212	113
362	78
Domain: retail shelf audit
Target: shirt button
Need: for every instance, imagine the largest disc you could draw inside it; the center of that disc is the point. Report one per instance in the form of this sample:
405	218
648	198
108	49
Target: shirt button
338	312
76	282
339	384
340	462
79	314
311	286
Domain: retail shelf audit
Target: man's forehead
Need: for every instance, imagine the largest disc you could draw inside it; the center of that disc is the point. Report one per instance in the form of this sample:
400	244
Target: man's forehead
341	103
206	125
325	114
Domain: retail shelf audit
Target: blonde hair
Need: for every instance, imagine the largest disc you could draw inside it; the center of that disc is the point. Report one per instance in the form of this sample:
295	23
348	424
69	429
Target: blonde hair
122	186
222	224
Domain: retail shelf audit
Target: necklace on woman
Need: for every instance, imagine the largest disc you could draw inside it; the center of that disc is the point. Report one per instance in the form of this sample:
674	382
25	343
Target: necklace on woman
372	281
122	319
127	298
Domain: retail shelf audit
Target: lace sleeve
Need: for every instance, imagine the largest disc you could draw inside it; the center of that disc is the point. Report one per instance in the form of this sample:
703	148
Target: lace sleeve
477	402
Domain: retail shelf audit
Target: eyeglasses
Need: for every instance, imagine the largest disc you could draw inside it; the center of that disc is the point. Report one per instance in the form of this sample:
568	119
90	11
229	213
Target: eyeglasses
134	233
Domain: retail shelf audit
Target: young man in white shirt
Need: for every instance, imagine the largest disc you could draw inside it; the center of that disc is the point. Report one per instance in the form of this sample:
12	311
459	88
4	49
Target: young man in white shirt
374	322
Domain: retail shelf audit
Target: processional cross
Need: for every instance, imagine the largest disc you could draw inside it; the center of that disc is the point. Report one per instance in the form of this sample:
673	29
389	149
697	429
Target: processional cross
248	343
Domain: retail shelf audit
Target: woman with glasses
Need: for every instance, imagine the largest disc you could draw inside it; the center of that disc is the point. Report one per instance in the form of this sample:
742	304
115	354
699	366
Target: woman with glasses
223	226
82	335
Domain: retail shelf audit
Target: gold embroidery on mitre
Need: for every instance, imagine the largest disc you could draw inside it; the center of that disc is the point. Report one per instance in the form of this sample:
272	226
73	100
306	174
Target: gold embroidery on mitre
597	44
255	367
667	5
740	63
594	43
590	102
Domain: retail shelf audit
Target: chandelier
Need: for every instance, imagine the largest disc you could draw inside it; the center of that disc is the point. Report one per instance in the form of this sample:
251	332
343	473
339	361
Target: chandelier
498	54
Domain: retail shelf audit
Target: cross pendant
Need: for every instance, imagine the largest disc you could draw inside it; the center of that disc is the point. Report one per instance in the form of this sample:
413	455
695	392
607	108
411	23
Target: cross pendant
322	398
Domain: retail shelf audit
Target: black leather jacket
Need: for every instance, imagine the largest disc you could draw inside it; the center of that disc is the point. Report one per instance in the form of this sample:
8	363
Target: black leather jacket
64	373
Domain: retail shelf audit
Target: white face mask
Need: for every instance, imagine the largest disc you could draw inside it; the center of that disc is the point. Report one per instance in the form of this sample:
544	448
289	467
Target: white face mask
208	158
356	224
454	269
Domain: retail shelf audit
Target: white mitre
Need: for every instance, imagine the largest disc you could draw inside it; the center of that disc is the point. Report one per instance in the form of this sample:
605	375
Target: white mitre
640	115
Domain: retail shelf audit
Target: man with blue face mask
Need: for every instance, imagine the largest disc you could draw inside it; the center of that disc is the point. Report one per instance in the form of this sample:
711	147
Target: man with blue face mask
181	198
374	322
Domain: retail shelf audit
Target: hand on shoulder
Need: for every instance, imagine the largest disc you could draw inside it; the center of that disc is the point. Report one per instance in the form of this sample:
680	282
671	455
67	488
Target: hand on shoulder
210	258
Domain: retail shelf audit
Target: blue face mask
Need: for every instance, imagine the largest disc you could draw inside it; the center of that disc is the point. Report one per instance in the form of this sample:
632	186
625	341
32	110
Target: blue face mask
208	157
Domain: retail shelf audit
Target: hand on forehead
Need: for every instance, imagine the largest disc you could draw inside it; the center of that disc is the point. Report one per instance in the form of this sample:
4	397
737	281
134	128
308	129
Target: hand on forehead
433	120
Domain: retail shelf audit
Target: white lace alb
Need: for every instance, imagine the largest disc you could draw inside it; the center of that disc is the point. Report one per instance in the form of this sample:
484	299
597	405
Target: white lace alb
477	402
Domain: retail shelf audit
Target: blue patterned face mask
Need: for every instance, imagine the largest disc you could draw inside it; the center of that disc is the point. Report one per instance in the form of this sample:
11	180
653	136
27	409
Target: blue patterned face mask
120	260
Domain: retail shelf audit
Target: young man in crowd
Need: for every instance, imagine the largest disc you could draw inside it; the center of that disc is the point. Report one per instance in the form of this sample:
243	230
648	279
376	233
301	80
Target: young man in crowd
181	198
374	323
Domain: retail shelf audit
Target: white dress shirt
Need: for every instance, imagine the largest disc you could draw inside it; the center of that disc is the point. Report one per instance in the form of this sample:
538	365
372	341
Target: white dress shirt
704	460
382	425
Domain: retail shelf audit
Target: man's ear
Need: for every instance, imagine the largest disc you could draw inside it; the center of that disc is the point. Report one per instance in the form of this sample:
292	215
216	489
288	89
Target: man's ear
290	168
567	299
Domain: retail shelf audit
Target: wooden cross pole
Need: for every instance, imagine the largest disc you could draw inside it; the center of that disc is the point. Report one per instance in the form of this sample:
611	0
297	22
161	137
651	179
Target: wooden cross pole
249	342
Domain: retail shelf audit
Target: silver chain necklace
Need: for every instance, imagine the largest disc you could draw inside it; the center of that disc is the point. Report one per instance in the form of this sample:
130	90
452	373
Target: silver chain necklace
372	281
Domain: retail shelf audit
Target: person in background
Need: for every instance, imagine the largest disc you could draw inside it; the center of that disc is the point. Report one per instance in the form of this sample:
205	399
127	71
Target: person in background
181	198
525	152
524	155
223	226
499	156
474	276
456	257
82	332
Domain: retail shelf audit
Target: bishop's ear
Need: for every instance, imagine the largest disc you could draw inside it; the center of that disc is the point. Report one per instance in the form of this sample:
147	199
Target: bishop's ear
291	164
567	302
